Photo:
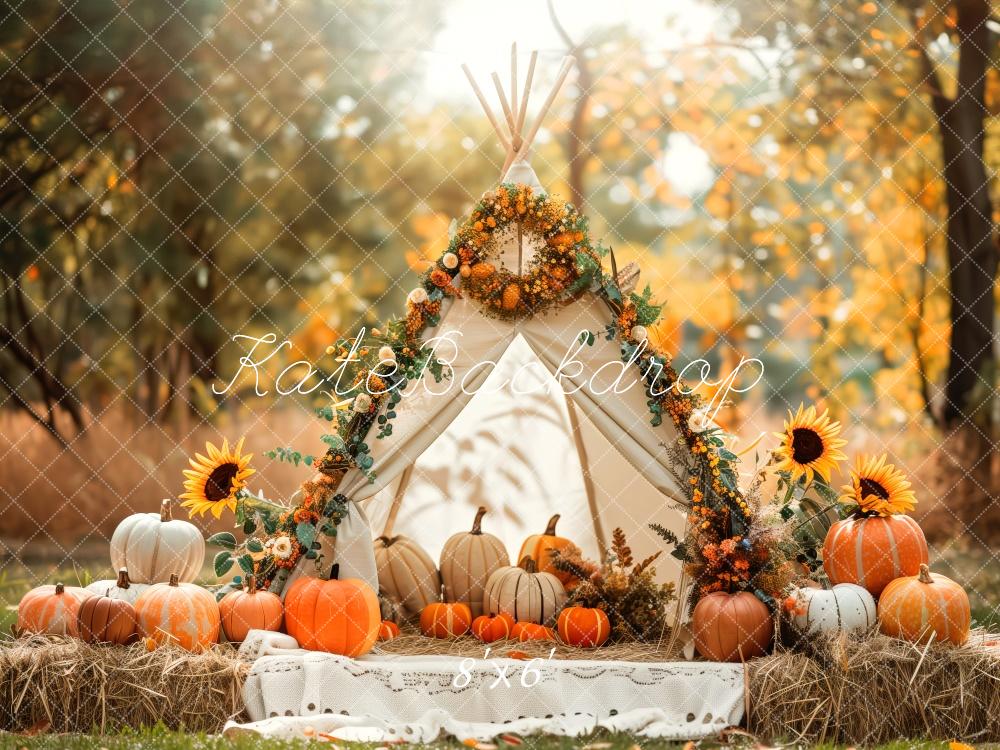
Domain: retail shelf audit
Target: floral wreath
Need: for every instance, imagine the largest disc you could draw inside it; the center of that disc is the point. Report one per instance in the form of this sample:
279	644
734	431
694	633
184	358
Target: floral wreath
552	274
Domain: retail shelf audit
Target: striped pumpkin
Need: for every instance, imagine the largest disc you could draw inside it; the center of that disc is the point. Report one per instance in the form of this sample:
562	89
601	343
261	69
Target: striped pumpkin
845	607
490	628
468	560
539	547
180	613
525	594
584	627
388	630
406	573
445	620
51	610
925	606
530	631
873	551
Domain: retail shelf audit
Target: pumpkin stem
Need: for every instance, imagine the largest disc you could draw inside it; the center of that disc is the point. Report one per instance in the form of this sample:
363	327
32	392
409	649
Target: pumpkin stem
477	523
335	572
174	579
60	588
165	514
123	581
528	564
387	541
251	584
924	576
550	530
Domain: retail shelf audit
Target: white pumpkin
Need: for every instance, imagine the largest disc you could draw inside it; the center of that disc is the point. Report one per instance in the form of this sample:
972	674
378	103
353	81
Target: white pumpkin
468	559
119	588
845	607
524	594
153	547
406	573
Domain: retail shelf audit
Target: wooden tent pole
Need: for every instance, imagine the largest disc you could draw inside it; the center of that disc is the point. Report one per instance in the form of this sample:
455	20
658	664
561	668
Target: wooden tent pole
397	500
516	134
522	109
486	108
588	482
560	80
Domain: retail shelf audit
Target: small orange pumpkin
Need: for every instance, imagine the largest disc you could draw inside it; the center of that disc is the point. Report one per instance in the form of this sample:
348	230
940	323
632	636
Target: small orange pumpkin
181	613
539	547
243	611
925	606
530	631
584	627
731	627
388	630
445	619
51	609
339	617
104	619
873	551
490	628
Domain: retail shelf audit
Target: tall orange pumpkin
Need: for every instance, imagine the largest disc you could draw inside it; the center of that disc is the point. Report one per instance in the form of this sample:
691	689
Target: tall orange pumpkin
584	627
250	609
539	547
51	609
731	627
339	617
925	606
104	619
180	613
873	551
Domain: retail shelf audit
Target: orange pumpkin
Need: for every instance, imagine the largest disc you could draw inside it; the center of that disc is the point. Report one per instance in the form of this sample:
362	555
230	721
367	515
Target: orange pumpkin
103	619
445	619
181	613
51	609
539	547
873	551
489	628
243	611
387	630
339	617
530	631
731	627
583	626
925	606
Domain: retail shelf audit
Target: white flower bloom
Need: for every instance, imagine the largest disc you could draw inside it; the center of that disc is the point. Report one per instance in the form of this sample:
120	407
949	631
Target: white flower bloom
639	333
699	421
450	260
386	354
417	296
362	403
282	548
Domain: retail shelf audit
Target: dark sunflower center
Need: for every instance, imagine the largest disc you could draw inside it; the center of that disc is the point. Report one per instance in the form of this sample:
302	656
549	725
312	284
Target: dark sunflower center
807	446
871	487
220	482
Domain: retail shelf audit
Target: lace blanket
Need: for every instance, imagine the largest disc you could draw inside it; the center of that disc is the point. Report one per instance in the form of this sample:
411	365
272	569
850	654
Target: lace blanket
379	698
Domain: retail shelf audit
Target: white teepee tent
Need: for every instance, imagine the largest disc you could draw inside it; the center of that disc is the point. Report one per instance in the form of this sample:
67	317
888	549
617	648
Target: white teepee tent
578	443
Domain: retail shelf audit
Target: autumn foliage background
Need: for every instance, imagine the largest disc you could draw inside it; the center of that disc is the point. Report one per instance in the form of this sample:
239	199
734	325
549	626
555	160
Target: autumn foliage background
786	174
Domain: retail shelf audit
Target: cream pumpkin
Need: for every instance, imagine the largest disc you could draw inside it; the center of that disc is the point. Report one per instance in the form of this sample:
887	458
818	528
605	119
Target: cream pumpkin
120	588
525	594
153	547
180	613
51	610
406	573
468	559
843	608
925	606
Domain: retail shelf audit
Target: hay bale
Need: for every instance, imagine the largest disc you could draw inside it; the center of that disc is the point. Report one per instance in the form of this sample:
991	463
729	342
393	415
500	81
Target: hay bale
66	685
874	689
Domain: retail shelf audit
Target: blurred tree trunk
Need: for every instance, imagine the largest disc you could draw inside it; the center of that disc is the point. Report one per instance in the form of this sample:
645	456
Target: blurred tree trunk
578	151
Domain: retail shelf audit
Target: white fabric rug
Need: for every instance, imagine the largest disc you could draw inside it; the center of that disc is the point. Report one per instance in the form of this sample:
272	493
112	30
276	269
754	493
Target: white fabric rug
295	693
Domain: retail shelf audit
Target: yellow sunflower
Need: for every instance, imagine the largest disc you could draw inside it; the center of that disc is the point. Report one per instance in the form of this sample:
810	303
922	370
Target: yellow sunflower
878	488
809	444
214	480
